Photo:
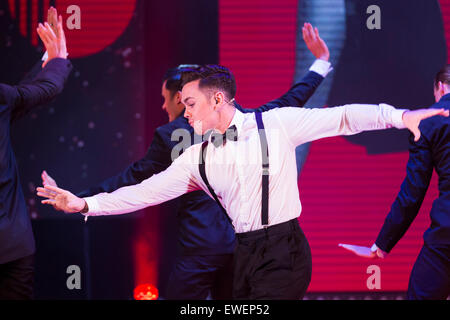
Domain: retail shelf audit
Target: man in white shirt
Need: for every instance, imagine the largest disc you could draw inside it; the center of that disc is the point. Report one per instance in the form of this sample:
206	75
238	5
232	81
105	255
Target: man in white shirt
272	258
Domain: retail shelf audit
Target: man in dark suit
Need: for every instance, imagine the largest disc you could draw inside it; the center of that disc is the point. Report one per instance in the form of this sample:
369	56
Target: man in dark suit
206	237
430	276
17	245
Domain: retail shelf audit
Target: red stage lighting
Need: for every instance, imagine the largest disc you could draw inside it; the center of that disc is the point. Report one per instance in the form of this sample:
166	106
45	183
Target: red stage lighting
145	292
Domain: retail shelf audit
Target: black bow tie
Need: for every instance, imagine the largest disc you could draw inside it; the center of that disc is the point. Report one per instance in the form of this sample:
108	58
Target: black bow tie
219	139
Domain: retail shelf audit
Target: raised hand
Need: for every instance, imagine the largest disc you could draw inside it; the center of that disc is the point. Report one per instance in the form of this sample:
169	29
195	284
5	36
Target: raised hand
52	20
55	44
412	119
47	180
365	252
314	43
61	199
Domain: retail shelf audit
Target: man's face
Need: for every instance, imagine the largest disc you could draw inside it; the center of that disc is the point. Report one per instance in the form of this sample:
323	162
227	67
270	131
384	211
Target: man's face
199	108
171	105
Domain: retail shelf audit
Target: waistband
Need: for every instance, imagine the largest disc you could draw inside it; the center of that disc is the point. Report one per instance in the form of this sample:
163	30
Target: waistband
283	227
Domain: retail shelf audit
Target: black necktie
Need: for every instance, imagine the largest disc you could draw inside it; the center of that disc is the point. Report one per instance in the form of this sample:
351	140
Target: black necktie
219	139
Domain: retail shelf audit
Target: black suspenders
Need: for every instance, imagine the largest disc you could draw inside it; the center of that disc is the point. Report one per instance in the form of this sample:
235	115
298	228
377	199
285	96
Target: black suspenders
265	172
201	168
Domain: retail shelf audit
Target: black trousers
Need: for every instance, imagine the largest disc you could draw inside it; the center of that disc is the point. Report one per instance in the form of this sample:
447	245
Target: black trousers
272	263
194	277
17	279
430	276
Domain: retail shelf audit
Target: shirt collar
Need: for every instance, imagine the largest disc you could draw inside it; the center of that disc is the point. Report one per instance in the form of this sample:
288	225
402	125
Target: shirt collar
237	120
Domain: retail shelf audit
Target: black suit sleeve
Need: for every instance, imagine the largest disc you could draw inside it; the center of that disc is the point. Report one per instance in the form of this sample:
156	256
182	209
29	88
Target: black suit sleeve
41	89
157	159
297	96
407	204
28	79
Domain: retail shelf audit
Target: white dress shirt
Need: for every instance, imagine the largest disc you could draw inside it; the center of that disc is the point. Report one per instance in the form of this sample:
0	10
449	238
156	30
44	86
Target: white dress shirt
234	169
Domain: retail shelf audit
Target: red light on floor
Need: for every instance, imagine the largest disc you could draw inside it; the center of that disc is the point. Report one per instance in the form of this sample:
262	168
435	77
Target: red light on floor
145	292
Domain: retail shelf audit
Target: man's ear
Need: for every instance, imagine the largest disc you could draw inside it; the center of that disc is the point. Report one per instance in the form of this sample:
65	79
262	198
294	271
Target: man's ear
442	87
216	99
219	98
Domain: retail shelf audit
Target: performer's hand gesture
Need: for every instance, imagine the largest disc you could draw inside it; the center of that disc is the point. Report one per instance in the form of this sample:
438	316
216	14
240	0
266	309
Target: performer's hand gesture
55	43
365	252
412	119
47	180
61	199
52	20
314	43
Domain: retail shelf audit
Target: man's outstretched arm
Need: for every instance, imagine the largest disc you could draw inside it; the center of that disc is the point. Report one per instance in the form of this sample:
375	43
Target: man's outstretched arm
41	90
169	184
302	125
407	204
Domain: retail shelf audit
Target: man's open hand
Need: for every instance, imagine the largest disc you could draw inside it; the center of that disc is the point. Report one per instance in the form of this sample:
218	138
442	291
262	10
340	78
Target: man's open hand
52	20
314	43
412	119
47	180
54	42
61	199
364	252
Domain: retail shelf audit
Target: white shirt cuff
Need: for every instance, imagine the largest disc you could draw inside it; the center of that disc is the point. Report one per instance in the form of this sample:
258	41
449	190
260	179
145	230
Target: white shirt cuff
92	205
45	56
321	67
374	248
397	118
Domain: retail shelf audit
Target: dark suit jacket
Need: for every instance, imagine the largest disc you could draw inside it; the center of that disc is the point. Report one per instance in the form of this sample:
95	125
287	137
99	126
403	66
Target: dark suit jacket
432	151
16	236
204	228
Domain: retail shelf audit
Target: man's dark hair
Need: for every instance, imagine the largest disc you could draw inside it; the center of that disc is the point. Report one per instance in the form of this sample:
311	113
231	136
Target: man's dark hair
173	77
212	77
443	76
